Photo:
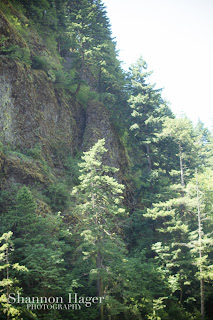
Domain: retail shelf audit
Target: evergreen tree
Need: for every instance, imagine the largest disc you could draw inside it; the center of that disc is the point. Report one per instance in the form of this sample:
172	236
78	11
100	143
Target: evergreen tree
37	246
8	283
182	132
89	39
144	101
200	191
183	241
148	114
166	273
100	215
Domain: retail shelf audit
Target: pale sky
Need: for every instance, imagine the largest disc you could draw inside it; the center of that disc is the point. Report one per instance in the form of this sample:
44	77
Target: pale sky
175	37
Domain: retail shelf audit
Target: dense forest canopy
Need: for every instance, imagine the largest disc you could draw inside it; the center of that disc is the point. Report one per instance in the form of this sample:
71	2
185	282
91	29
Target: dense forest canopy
104	193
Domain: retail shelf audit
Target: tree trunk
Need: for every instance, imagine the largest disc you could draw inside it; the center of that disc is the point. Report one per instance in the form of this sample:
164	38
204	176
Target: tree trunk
81	76
202	297
182	178
99	80
77	90
98	264
149	157
181	166
100	284
200	251
181	289
7	262
59	46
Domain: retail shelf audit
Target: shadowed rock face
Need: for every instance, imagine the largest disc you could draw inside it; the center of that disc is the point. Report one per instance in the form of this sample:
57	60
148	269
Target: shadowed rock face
7	30
34	111
98	126
31	111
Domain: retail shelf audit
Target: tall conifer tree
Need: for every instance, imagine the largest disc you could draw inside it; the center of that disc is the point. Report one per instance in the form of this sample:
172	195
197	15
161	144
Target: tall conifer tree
100	215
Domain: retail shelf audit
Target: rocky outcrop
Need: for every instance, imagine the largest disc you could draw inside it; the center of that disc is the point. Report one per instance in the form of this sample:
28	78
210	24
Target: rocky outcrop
32	111
9	32
98	126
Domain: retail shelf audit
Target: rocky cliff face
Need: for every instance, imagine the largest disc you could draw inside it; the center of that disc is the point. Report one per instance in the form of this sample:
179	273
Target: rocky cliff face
98	126
33	111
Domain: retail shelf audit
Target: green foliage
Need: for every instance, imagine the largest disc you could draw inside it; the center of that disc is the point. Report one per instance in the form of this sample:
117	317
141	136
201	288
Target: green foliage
148	111
85	94
72	170
44	62
63	79
58	195
17	53
36	152
39	62
37	246
43	12
146	264
25	211
1	147
2	40
99	217
8	284
4	8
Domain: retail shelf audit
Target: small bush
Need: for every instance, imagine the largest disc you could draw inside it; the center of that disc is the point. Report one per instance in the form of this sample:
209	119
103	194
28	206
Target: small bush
1	147
47	64
16	52
58	196
72	169
35	152
85	94
40	62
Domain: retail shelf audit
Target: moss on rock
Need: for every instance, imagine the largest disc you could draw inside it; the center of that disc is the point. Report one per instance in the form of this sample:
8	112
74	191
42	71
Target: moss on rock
24	171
